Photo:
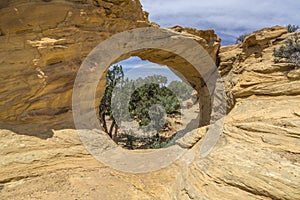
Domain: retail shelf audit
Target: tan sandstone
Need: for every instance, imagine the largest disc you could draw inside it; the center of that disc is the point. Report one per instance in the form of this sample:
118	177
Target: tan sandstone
257	156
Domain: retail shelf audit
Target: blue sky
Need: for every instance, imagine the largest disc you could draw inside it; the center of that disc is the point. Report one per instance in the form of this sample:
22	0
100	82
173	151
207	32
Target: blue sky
134	68
229	18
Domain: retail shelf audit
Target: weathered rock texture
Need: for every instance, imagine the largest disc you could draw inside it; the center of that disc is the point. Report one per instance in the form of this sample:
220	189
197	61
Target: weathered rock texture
257	157
262	132
43	44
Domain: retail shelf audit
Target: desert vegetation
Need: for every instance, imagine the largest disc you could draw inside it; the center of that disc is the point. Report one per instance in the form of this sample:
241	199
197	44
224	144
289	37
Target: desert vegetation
149	98
241	38
292	28
289	52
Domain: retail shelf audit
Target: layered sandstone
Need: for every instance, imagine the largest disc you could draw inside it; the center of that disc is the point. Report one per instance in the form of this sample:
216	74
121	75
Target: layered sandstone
257	156
43	44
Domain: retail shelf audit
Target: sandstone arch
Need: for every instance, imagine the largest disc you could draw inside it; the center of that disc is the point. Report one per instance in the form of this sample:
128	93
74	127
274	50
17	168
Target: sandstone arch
181	68
42	50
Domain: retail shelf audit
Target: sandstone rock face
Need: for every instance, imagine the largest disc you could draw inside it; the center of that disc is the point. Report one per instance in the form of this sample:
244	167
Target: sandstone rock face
41	52
42	46
248	69
207	38
257	156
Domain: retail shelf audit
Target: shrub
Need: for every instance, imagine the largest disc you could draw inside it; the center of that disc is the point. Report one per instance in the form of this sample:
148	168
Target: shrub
289	52
241	38
131	141
145	94
292	28
150	94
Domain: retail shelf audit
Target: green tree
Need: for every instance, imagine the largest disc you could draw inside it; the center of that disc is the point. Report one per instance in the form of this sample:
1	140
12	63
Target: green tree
150	94
142	97
114	76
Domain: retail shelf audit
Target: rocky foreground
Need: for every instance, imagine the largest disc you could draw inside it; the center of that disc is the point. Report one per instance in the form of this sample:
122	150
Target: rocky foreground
257	156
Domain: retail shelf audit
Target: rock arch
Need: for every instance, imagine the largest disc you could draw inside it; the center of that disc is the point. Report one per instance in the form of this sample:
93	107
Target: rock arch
41	52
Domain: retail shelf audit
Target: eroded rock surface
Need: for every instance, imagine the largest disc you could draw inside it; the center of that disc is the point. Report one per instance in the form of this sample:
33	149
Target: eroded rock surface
43	44
257	156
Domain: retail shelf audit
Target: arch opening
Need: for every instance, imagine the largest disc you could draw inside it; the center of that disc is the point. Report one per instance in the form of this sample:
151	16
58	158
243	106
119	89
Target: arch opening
137	42
167	73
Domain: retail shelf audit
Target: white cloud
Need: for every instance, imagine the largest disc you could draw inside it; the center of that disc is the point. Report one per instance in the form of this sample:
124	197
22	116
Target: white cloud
135	68
150	69
229	18
136	62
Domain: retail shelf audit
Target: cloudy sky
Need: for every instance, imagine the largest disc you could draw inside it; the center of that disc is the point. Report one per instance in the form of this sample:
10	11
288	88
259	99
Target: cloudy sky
229	18
135	68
